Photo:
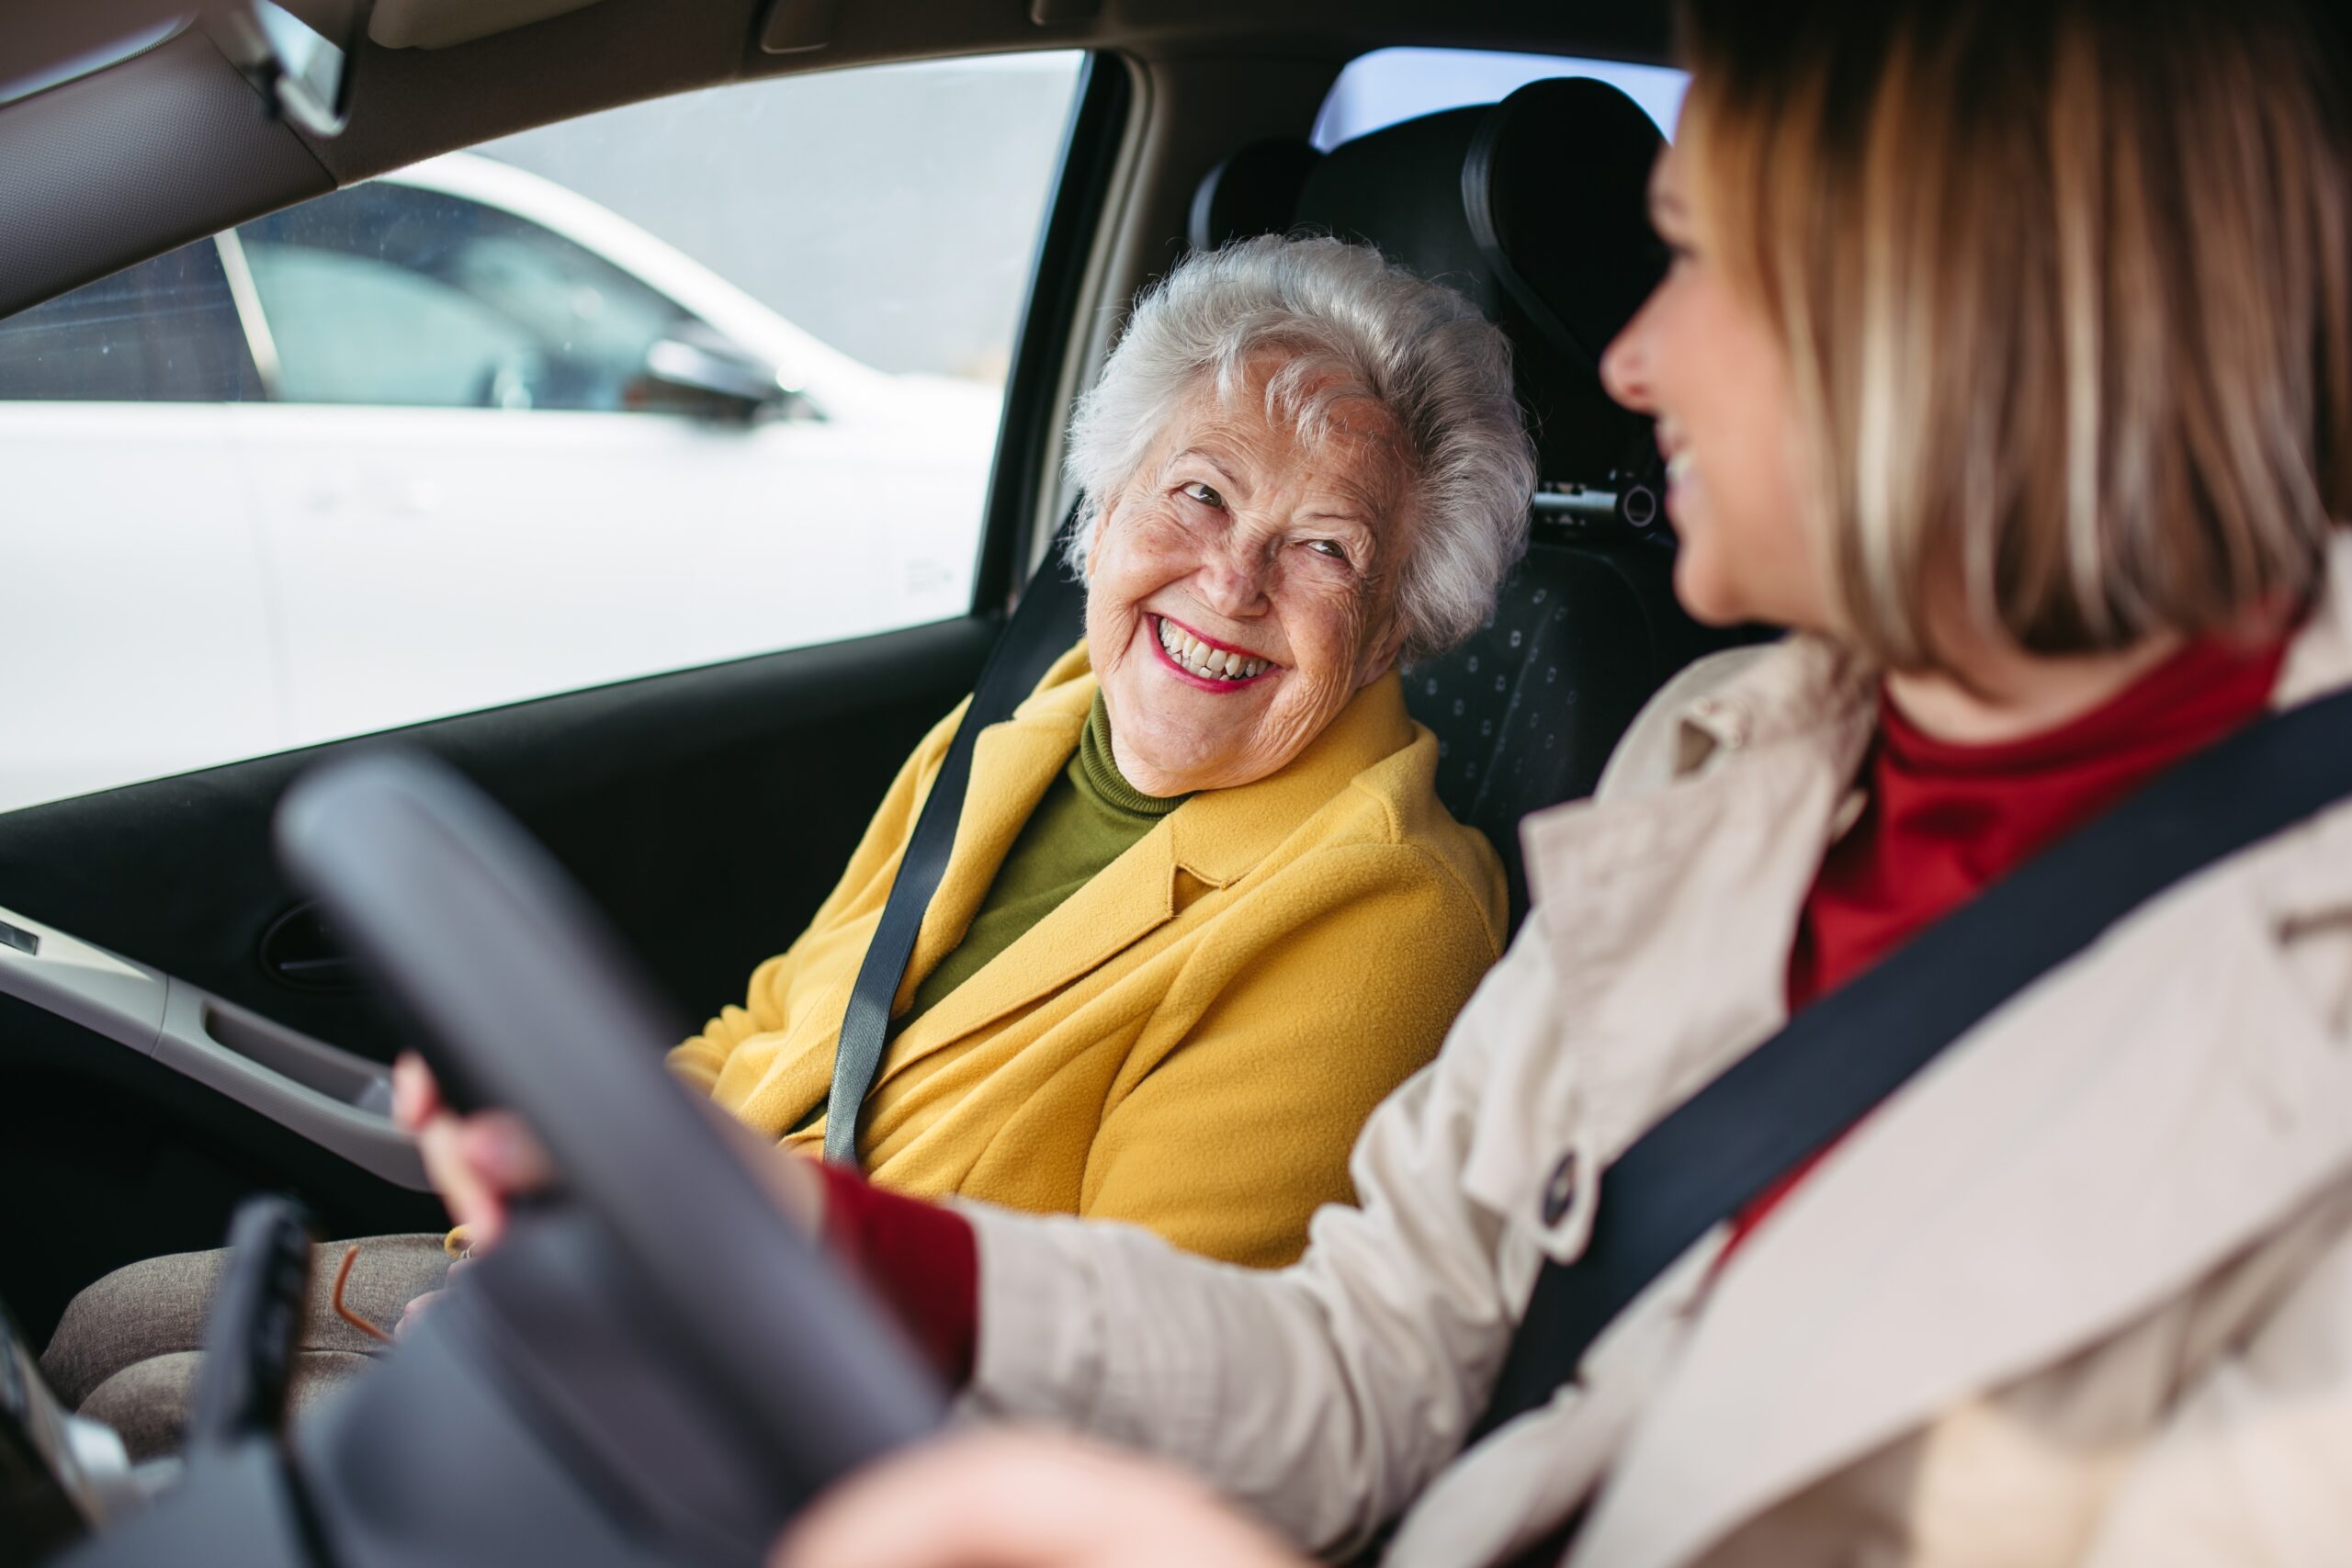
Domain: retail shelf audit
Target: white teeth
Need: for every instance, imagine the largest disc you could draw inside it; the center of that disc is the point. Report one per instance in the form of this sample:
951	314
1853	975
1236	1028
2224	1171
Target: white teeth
1209	663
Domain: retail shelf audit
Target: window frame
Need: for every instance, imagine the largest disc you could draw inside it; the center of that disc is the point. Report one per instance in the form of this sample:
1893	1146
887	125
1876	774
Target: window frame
1051	321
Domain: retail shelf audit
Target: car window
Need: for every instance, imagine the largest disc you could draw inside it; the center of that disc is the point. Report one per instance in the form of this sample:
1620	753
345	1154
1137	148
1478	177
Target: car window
394	294
680	382
1391	85
165	331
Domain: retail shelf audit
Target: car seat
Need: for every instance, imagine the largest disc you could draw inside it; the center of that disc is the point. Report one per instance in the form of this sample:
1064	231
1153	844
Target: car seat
1535	209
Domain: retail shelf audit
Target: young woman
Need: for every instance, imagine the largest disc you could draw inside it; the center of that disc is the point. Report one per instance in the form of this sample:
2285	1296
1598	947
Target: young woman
2007	357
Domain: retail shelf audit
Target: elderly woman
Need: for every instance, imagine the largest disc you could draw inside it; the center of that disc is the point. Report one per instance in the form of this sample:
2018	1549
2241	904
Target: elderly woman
1203	909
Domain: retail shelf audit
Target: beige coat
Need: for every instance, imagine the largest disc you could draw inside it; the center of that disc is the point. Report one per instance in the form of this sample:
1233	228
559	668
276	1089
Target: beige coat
2082	1292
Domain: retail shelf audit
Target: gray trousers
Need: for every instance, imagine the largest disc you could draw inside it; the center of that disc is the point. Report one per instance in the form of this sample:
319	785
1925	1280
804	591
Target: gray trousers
127	1351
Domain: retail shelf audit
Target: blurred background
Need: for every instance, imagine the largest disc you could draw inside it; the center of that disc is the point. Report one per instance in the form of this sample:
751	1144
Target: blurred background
778	192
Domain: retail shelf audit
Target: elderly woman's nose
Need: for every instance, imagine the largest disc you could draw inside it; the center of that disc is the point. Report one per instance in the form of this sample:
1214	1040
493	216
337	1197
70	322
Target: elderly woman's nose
1233	579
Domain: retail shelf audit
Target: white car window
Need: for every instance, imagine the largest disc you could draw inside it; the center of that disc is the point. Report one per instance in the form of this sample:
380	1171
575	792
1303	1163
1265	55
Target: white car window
681	382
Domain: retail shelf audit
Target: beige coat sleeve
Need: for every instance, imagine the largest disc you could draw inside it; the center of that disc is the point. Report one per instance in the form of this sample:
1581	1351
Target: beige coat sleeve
1323	1397
1327	1396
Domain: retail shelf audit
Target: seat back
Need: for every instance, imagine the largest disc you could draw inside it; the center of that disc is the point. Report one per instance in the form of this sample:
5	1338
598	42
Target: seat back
1534	209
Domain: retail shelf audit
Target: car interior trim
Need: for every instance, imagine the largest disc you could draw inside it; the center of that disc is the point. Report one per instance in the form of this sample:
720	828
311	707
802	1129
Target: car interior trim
336	1100
1020	484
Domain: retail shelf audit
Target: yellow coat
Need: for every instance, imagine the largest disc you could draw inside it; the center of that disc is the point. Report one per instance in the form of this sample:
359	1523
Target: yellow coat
1191	1041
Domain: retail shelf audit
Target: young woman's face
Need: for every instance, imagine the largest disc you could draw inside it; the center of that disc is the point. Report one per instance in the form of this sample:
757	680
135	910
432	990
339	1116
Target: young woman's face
1702	358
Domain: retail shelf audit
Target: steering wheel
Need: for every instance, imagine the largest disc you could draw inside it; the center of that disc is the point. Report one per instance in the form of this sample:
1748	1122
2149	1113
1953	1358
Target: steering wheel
655	1367
525	1000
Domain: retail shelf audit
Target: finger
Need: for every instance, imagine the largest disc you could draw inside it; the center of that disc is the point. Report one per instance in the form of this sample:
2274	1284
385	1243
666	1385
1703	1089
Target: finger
471	1202
505	1154
416	1099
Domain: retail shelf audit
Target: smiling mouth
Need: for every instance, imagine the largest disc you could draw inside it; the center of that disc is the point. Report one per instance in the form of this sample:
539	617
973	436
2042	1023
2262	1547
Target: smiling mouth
1204	661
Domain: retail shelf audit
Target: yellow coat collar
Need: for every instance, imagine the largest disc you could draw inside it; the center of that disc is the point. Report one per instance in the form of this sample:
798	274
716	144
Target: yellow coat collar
1216	836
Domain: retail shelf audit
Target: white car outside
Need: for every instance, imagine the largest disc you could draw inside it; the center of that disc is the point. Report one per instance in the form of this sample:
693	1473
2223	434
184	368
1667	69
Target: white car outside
442	472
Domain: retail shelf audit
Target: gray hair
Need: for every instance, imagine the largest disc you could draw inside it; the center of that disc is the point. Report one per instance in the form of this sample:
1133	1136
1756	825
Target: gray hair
1353	326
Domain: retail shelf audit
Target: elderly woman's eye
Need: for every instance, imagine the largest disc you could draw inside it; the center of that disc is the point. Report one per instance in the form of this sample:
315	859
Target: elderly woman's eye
1331	547
1204	494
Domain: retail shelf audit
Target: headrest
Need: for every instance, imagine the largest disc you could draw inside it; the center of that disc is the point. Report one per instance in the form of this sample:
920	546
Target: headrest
1400	189
1253	192
1535	209
1556	189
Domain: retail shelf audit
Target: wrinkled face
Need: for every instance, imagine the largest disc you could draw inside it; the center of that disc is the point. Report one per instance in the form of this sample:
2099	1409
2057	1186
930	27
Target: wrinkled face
1241	590
1703	358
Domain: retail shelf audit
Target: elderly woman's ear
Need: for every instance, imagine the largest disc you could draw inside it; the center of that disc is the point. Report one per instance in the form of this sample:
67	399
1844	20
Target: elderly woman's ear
1382	652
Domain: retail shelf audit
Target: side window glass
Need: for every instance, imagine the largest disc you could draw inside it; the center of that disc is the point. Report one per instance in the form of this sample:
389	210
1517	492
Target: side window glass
165	331
1389	87
687	380
399	293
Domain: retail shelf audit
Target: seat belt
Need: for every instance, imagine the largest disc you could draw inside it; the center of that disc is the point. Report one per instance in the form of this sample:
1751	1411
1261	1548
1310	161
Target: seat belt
1038	632
1840	1057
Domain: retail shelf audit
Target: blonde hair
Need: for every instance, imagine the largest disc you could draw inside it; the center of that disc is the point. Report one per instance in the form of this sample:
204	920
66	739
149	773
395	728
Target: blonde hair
2064	290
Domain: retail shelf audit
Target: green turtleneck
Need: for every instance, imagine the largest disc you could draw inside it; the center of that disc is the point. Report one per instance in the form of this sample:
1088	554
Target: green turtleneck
1090	817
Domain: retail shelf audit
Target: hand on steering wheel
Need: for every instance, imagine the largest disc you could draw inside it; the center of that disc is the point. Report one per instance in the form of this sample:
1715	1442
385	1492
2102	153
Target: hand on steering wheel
523	1001
477	1164
1007	1500
480	1164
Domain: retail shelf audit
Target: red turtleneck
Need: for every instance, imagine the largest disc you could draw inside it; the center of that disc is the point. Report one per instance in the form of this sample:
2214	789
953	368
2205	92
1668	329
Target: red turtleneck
1941	822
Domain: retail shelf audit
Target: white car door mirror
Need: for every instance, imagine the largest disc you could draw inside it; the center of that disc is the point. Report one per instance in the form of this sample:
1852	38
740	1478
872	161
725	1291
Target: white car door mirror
704	376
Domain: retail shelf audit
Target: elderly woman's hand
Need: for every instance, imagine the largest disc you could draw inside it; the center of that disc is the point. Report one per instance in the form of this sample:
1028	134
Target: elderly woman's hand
1004	1500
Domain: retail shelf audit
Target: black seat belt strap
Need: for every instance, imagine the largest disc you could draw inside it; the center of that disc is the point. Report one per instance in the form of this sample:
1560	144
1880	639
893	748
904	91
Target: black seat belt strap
1850	1051
1041	628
